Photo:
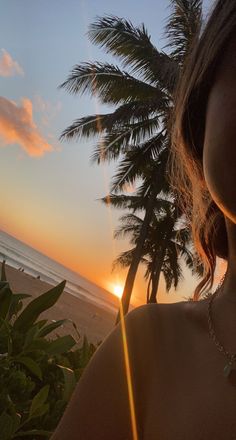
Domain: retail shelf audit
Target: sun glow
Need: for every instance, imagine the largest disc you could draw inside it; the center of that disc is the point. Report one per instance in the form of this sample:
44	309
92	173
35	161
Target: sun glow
118	290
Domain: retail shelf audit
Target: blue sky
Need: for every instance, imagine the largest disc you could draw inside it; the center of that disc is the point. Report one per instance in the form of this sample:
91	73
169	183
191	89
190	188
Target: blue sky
50	201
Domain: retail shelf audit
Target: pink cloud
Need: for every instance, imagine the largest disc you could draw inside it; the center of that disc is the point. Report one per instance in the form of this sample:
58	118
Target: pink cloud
8	66
17	127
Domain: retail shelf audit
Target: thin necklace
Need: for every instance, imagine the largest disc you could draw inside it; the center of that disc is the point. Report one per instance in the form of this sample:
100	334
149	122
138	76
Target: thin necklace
231	365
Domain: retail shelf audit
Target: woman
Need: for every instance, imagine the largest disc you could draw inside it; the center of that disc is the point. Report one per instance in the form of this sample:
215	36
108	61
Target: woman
182	381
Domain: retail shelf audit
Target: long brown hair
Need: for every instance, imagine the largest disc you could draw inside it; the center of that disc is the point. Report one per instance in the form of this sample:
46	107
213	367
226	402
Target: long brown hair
185	164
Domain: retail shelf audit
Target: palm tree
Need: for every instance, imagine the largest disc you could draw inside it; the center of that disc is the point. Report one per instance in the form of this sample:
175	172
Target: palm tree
165	243
139	127
154	182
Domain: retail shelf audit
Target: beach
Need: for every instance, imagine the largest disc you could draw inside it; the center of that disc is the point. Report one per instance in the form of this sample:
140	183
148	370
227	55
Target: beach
93	321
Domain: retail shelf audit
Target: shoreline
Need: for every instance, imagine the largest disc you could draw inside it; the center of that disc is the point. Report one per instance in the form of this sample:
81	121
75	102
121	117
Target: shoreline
91	320
20	256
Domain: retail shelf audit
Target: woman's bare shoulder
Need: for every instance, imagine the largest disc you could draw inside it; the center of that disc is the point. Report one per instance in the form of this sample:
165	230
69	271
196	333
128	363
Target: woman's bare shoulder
100	406
163	319
180	318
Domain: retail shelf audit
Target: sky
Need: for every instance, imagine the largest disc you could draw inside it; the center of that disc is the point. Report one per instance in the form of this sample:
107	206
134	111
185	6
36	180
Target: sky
49	190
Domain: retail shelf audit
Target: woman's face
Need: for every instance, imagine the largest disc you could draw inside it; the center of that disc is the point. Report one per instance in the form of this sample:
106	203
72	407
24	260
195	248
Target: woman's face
219	150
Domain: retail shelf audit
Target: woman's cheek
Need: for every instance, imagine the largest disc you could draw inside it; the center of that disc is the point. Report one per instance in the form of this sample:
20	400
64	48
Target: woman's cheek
219	151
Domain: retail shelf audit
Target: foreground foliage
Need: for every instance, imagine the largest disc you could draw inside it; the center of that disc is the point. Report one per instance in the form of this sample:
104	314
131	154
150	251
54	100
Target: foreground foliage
37	373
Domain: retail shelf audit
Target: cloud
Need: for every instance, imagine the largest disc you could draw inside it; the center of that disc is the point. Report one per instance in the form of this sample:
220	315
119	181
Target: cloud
8	66
17	127
48	109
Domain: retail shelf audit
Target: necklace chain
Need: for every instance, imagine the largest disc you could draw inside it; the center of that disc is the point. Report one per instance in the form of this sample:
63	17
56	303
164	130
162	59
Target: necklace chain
221	348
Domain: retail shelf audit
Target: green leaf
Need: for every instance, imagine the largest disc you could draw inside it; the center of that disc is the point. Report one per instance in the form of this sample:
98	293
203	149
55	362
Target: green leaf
37	306
6	325
30	335
16	417
38	400
33	332
21	295
76	329
37	344
61	345
5	300
16	303
50	327
31	365
69	380
86	352
6	426
3	272
33	432
41	323
39	412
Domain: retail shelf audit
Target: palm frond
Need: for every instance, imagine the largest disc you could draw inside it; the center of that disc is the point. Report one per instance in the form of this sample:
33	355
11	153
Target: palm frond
183	26
138	111
173	274
88	126
191	260
155	177
110	84
115	143
130	168
133	231
124	259
162	208
183	236
171	268
122	201
137	162
133	46
130	113
131	219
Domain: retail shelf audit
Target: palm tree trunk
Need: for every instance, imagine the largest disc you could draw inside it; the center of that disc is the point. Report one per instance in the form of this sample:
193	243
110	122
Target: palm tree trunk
159	258
125	300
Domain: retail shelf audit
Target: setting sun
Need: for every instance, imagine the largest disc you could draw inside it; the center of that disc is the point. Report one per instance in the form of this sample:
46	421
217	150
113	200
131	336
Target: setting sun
118	290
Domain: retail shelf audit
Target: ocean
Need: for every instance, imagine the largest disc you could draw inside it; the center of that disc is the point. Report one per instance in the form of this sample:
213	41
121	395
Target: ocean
19	255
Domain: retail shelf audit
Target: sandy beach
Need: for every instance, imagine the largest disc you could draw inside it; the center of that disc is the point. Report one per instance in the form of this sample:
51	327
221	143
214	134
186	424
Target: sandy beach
91	320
